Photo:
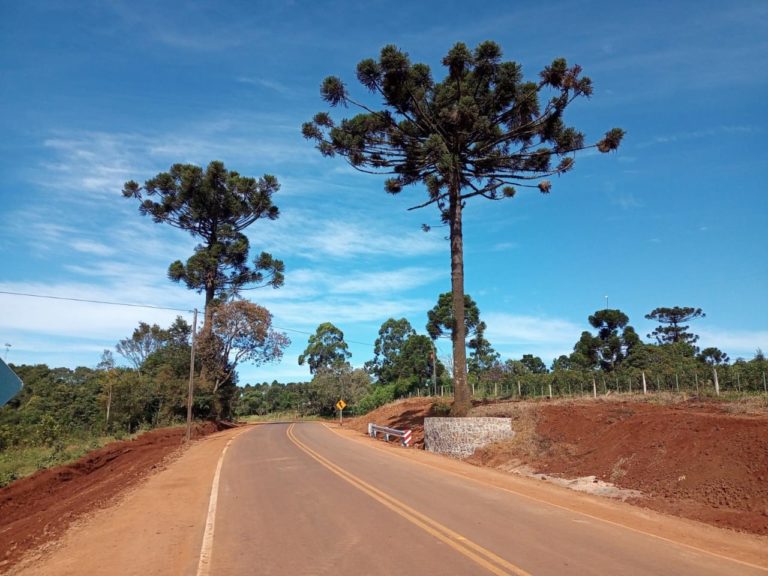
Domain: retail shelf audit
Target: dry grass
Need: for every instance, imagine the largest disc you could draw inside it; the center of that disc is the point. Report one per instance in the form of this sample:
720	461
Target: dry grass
524	443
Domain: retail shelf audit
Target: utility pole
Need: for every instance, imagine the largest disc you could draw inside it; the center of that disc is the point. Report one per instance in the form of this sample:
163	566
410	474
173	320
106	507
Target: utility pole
191	378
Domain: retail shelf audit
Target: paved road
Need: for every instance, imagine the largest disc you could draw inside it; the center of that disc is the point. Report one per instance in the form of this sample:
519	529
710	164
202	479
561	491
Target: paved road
298	499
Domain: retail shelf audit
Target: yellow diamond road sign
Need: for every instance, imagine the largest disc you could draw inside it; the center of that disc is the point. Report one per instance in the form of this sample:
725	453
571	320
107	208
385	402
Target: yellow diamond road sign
341	404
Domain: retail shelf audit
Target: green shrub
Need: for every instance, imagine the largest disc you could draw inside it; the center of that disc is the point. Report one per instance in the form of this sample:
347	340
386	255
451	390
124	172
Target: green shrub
378	396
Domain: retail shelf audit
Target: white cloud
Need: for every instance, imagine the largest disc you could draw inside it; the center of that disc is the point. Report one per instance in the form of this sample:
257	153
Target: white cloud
58	317
344	239
99	163
288	370
95	162
344	310
715	132
625	200
266	83
386	282
519	329
736	343
96	248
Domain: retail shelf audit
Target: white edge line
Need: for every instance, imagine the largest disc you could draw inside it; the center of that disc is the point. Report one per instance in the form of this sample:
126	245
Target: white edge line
206	549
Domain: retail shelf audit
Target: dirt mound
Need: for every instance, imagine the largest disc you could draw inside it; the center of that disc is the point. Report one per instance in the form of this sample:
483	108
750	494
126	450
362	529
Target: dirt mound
696	460
37	509
402	414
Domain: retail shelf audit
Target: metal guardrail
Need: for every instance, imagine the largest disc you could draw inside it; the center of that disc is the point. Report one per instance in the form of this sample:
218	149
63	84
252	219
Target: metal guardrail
404	435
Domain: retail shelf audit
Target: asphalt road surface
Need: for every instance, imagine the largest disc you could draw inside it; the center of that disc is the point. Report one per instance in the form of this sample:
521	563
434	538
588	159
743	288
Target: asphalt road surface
301	499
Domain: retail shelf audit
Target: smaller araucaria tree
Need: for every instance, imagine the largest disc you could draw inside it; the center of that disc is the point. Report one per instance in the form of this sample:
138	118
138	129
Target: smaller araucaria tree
671	330
440	320
214	205
613	342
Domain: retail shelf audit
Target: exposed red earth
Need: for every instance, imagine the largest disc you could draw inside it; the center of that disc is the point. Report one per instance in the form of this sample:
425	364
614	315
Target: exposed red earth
38	509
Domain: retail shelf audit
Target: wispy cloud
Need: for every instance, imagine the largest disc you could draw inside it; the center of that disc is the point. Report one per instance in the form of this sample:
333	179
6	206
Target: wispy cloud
736	343
93	162
96	248
700	134
99	163
347	237
625	200
386	282
520	329
312	296
199	27
274	85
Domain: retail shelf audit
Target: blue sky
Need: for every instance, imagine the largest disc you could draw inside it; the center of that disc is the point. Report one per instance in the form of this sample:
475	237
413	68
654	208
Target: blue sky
97	93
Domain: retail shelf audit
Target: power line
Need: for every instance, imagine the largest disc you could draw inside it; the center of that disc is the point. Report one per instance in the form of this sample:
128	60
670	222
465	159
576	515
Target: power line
312	334
49	297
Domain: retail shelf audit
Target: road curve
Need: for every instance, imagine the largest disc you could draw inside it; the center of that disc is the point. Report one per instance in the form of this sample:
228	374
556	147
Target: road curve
299	499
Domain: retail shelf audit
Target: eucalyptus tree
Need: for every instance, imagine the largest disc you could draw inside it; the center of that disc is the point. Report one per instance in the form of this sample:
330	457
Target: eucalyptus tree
147	340
388	349
214	205
480	132
326	350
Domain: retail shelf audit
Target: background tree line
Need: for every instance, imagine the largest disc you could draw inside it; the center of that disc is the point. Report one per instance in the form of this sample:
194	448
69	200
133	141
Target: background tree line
58	404
612	358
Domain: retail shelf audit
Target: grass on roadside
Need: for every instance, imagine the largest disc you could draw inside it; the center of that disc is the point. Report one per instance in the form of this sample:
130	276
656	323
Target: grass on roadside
21	461
287	416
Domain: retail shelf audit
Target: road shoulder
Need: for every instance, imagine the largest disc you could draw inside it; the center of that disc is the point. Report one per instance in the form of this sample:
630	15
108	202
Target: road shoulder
154	529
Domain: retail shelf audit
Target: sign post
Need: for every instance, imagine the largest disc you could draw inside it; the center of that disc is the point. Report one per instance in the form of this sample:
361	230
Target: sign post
340	405
10	384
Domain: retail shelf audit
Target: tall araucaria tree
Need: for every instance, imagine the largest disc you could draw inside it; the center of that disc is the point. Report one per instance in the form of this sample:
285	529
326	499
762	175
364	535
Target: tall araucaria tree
214	206
481	132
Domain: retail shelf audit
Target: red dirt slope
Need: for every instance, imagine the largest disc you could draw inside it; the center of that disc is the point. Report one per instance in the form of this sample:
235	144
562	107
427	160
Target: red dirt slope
37	509
692	460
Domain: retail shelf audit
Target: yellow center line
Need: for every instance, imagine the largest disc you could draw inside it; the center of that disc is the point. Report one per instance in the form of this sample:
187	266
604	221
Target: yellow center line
485	558
393	453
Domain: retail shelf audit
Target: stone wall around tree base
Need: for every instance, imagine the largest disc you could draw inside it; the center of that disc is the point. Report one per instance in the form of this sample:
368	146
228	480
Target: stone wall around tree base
460	437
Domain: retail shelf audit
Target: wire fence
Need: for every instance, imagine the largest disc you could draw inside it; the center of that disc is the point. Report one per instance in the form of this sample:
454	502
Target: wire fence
700	381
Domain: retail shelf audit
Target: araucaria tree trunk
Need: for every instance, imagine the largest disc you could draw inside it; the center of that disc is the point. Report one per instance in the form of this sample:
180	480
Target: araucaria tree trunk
461	398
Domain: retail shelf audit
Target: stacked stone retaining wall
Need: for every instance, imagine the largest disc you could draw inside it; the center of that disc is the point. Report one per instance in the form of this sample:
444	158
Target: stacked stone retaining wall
460	437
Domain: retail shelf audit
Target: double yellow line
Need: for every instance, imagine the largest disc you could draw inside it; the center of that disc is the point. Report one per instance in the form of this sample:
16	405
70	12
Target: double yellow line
485	558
